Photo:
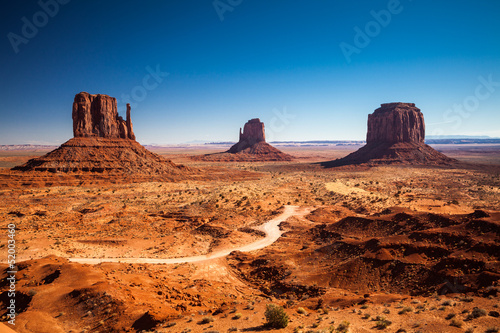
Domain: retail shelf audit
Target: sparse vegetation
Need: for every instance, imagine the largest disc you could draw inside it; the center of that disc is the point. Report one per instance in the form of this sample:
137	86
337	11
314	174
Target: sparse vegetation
207	319
476	313
405	309
492	330
343	327
382	323
301	311
456	323
276	317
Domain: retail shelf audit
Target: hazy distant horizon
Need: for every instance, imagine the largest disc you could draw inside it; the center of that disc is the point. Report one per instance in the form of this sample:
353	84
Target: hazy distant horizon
193	71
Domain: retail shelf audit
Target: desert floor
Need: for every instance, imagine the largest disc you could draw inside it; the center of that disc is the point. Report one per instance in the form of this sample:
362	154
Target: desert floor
417	246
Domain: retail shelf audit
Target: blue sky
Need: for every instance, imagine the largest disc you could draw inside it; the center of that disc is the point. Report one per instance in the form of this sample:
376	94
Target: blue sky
232	60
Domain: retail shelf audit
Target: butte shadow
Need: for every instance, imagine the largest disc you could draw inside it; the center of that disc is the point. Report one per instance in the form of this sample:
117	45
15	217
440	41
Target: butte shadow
252	147
103	143
396	133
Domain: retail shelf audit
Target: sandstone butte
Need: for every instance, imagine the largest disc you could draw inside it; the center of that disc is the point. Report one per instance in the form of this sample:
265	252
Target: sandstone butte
103	143
396	134
251	147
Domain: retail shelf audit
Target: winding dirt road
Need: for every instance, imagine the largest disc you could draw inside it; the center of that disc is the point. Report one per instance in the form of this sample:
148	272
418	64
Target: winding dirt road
271	229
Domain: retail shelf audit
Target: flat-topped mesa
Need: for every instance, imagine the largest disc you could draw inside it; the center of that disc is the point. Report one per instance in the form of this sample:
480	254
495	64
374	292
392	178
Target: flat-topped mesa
396	122
97	116
396	133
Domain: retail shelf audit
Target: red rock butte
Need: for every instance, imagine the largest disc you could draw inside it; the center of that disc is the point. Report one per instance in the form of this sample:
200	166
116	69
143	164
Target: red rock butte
396	134
103	143
253	133
97	115
251	147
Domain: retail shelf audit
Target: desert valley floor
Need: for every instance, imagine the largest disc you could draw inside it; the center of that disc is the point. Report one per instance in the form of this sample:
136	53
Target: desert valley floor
386	248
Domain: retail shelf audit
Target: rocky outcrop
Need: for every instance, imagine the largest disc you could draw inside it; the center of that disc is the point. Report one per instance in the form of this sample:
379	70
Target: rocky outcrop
104	155
253	132
97	116
104	143
396	134
252	147
396	122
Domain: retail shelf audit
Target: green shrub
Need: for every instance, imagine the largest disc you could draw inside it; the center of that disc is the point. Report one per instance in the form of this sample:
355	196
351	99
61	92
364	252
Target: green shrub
207	319
450	316
382	323
343	327
405	310
492	330
276	316
301	311
476	313
456	323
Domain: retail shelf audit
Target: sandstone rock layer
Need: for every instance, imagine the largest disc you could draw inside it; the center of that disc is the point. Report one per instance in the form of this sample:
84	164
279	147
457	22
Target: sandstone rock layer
103	155
103	143
253	132
396	122
396	134
251	147
97	115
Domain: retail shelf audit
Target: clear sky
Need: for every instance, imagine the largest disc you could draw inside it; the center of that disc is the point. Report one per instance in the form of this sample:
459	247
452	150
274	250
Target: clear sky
311	70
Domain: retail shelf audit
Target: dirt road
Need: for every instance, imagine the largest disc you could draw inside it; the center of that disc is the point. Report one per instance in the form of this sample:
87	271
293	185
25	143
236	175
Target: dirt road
271	229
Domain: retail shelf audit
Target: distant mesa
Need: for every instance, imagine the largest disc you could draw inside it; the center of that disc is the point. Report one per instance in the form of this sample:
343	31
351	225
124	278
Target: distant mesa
396	134
251	147
103	143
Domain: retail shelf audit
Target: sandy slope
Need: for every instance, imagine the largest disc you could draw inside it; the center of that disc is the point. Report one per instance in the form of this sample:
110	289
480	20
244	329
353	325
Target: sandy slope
270	228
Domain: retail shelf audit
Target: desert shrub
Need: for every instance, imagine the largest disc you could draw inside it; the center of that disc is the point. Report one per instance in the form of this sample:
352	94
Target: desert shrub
456	323
382	323
343	327
301	311
476	313
450	316
207	319
492	330
276	316
237	316
405	310
232	329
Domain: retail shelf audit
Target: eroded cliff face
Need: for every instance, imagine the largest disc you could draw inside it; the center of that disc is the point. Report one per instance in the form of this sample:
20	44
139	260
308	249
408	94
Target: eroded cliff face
253	133
97	116
396	135
396	122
